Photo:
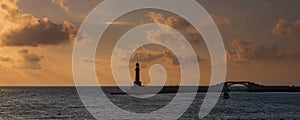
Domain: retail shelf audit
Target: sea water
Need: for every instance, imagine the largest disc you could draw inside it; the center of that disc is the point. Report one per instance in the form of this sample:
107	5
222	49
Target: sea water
64	103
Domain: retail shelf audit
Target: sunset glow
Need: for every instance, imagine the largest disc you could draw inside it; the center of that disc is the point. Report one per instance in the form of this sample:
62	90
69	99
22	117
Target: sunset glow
261	40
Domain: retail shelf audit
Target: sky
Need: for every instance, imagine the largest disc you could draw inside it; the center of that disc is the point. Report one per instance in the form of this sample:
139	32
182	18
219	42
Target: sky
261	37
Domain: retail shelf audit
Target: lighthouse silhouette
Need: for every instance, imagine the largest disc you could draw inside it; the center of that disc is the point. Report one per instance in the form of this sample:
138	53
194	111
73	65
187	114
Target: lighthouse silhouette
137	81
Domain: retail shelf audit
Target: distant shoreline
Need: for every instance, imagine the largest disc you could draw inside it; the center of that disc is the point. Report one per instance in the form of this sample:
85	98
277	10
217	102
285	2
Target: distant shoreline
124	86
174	89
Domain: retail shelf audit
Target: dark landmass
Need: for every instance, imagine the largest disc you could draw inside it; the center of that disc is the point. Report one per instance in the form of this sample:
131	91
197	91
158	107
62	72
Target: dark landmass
249	87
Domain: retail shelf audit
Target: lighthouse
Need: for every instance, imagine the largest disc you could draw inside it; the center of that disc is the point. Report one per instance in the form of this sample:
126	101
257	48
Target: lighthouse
137	81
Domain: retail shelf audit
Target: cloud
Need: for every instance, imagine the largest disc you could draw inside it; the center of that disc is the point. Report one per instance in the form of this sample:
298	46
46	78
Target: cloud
22	29
171	38
242	51
174	22
61	4
293	54
183	26
148	56
6	59
90	61
158	56
29	60
118	23
283	29
221	22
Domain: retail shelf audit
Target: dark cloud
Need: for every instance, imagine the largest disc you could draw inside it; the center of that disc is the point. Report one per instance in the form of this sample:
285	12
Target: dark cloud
149	56
285	30
22	29
44	33
30	60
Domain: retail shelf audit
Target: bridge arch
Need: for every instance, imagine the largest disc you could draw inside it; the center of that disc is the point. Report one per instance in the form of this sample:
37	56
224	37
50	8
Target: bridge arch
227	85
249	85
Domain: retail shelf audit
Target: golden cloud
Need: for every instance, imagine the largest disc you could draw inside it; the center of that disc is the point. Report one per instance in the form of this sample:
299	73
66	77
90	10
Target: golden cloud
29	60
61	3
22	29
284	30
5	59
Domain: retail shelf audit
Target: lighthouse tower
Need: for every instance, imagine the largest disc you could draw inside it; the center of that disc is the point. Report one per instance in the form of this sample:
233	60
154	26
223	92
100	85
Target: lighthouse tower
137	81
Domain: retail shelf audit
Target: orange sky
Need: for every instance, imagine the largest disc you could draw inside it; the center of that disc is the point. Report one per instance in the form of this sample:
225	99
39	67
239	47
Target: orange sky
261	40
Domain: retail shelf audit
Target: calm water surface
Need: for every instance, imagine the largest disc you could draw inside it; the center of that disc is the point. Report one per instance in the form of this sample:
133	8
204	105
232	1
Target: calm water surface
64	103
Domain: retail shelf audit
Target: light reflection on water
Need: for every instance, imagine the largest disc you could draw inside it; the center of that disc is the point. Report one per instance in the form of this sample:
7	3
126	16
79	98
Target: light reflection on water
64	103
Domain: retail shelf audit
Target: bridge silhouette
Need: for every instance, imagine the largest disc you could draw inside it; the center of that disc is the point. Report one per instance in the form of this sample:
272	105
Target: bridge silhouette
251	86
254	87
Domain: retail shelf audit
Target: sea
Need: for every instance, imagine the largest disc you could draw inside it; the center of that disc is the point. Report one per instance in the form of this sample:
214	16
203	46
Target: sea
64	103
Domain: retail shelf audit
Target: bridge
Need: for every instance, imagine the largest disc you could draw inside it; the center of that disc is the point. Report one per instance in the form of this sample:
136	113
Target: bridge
254	87
251	86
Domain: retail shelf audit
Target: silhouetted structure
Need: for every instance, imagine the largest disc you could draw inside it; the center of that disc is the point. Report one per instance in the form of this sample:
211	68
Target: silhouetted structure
225	95
137	81
251	86
254	87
